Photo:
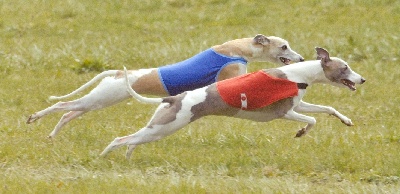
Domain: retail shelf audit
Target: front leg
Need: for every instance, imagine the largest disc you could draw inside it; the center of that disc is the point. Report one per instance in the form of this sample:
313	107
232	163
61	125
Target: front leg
313	108
292	115
231	70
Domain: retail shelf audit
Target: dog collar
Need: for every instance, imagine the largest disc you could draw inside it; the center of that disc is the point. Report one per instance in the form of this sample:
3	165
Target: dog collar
302	86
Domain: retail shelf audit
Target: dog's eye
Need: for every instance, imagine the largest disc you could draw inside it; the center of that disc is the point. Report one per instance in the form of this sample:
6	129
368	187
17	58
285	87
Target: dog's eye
284	47
345	68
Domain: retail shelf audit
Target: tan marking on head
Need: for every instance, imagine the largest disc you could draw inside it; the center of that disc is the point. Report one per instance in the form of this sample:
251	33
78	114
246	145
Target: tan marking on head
333	67
338	71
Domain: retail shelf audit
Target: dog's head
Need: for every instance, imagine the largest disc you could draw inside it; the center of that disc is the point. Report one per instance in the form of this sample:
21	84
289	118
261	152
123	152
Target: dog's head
337	71
276	50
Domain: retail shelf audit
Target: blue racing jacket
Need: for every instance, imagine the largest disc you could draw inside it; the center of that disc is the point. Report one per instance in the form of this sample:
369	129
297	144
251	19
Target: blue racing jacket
196	72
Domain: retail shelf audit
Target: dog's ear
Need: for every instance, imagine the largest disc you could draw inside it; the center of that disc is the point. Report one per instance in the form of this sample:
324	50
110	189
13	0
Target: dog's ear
322	54
261	39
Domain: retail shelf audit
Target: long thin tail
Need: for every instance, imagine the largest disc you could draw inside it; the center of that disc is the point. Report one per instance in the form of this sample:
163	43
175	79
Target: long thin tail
89	83
137	96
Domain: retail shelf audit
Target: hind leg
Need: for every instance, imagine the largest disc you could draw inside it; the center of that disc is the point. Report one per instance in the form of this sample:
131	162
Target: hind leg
109	92
67	117
163	123
145	135
129	151
59	106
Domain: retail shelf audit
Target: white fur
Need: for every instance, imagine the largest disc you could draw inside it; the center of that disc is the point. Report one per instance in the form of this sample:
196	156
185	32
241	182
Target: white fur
111	89
309	72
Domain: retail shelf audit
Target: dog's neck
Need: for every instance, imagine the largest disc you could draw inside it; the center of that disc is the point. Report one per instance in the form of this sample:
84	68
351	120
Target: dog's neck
245	48
309	72
234	48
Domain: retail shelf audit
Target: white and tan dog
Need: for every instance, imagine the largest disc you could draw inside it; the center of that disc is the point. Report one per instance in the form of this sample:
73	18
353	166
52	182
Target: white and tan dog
217	63
175	112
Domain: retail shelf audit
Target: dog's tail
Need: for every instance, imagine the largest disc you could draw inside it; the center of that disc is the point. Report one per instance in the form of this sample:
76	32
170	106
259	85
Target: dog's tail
89	83
137	96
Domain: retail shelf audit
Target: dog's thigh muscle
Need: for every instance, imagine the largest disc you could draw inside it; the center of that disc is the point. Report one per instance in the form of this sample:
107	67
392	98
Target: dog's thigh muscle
148	82
231	70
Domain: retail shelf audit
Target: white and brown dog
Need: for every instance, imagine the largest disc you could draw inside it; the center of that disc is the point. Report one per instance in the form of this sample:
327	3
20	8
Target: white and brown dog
217	63
250	96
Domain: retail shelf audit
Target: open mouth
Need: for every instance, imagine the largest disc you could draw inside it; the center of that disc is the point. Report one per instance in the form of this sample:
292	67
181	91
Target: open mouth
349	84
284	60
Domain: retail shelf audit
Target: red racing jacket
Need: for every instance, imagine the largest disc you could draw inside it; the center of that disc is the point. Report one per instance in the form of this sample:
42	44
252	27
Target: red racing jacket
256	90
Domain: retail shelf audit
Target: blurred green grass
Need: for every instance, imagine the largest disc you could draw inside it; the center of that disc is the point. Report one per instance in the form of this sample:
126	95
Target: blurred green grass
43	42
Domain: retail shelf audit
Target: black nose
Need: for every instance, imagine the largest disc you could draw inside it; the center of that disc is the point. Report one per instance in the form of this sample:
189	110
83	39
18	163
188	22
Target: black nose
301	59
362	80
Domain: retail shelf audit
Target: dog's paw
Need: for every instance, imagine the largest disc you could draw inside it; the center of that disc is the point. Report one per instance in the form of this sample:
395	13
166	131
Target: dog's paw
347	122
344	119
129	151
112	146
31	119
301	132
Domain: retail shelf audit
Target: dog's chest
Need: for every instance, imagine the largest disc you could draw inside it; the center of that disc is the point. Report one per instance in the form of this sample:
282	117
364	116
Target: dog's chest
255	90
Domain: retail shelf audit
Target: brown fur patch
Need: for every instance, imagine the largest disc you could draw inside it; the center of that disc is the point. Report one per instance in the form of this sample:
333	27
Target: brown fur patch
229	71
275	73
212	105
149	84
168	111
335	70
277	109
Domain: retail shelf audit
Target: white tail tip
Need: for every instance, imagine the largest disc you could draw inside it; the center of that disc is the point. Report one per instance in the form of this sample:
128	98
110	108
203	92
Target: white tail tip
54	98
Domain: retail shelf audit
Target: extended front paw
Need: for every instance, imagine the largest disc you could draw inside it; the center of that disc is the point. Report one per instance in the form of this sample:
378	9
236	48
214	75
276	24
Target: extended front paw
344	119
347	122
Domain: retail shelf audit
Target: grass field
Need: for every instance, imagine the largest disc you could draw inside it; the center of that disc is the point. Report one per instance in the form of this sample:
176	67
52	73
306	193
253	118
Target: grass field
53	47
